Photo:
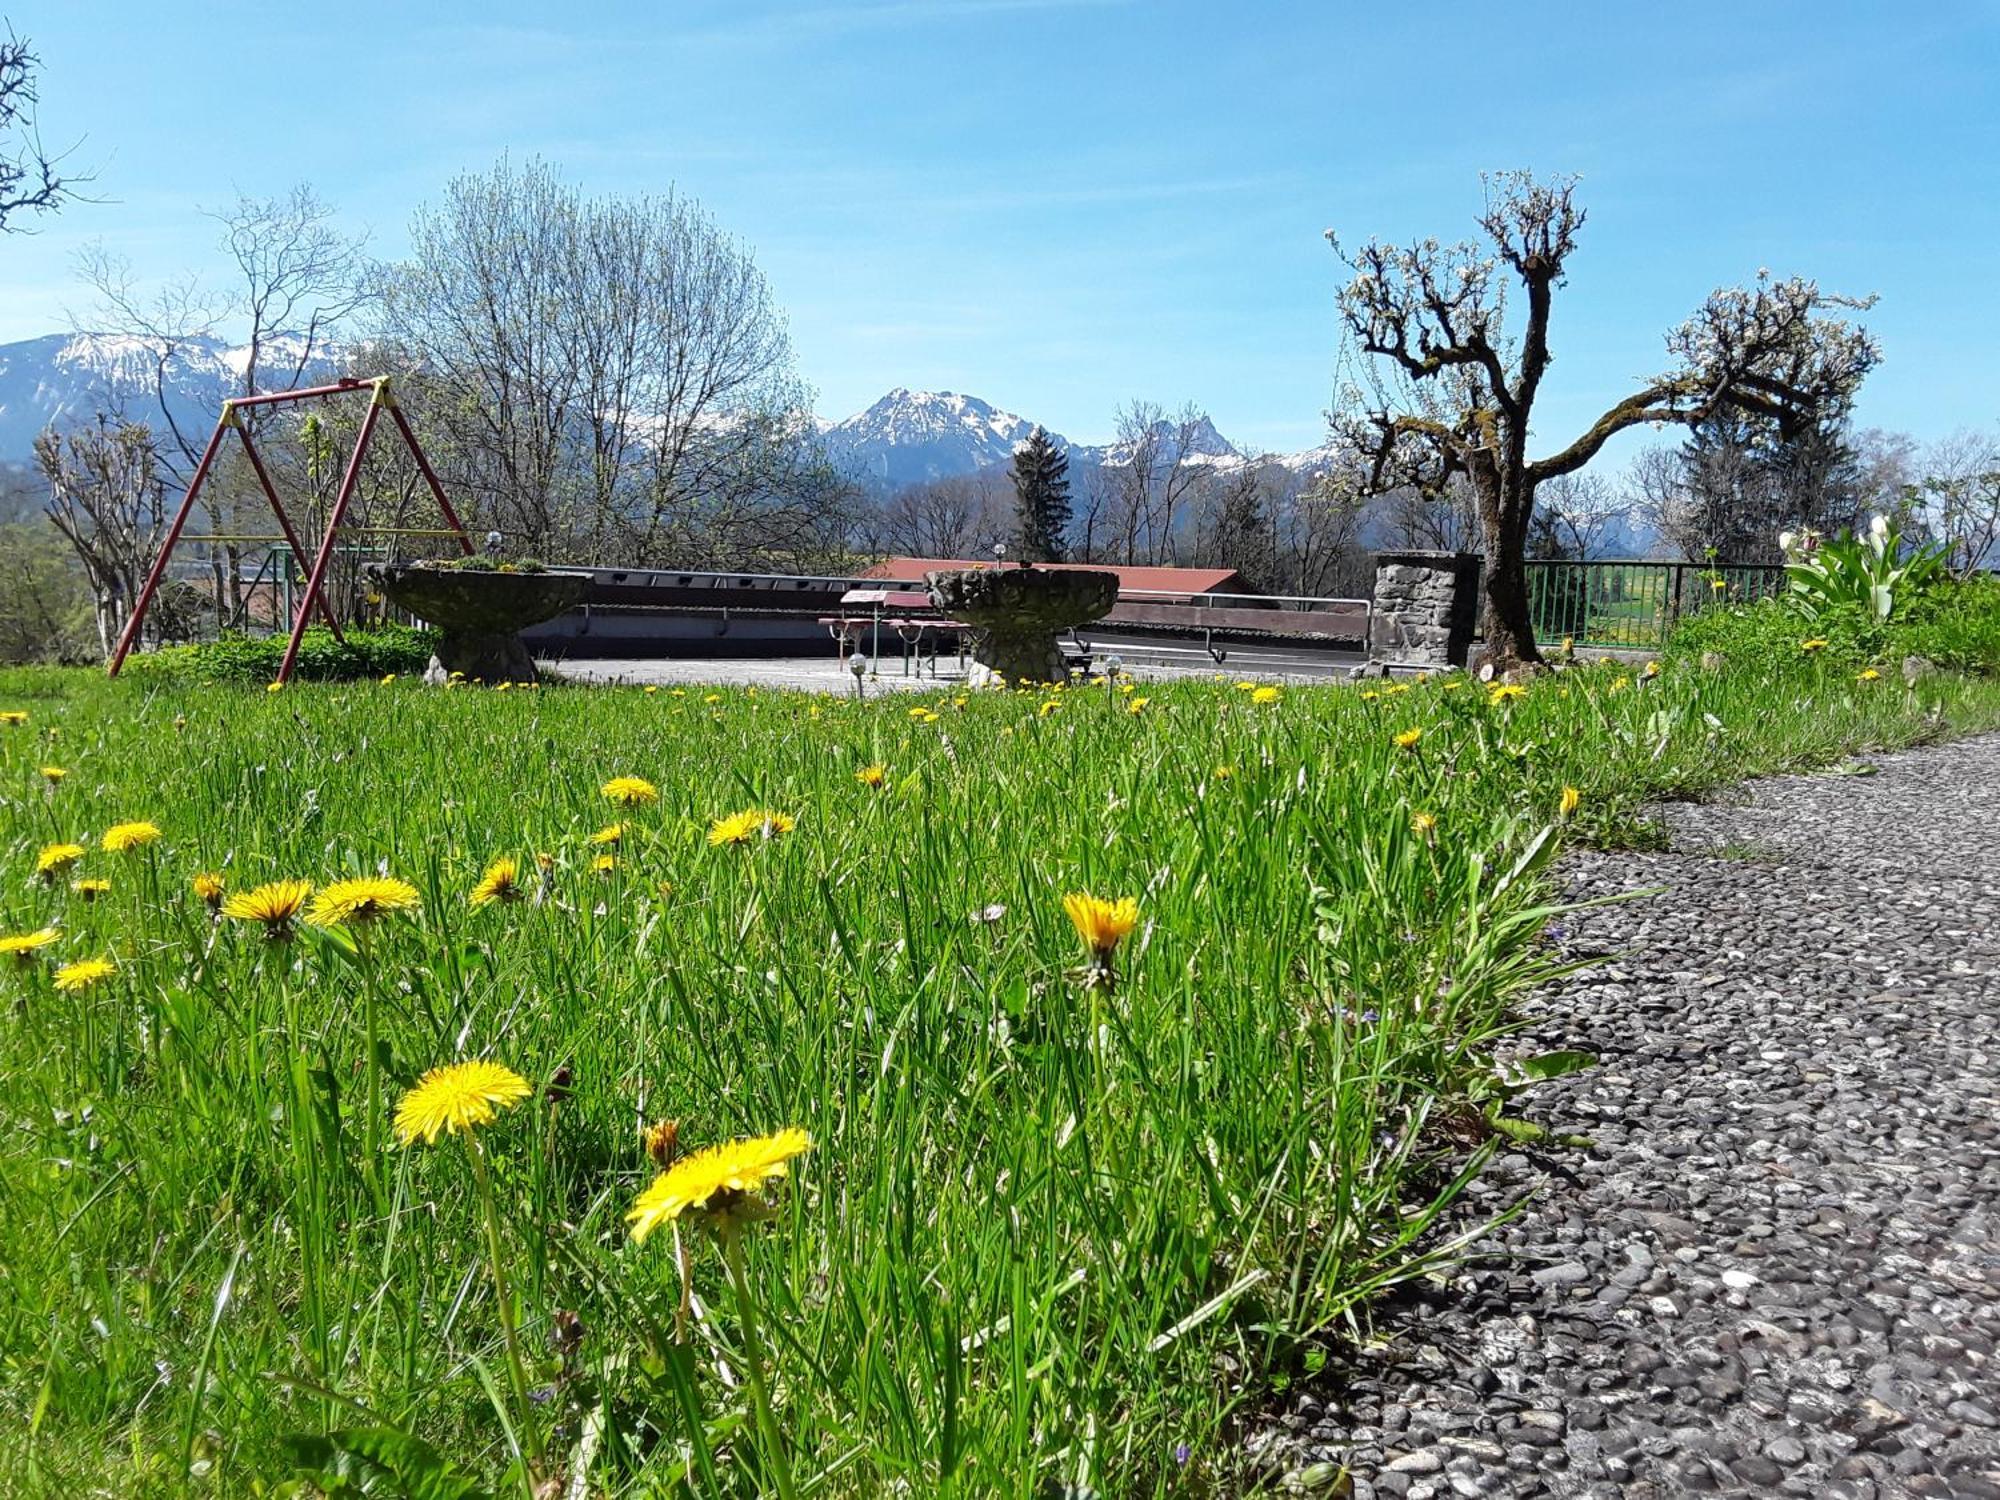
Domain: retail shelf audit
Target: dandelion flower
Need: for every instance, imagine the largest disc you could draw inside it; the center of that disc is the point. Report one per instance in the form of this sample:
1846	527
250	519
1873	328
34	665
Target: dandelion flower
610	834
1570	800
21	946
1102	924
13	718
82	974
1407	740
1423	824
742	827
661	1141
1817	643
1267	695
208	886
121	838
715	1181
1868	674
1505	692
361	900
630	791
1048	707
1652	671
53	774
274	687
604	864
90	890
275	904
457	1097
1137	705
54	860
873	777
501	882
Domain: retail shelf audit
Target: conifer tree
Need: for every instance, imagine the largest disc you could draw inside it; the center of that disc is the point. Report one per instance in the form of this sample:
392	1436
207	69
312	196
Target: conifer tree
1041	499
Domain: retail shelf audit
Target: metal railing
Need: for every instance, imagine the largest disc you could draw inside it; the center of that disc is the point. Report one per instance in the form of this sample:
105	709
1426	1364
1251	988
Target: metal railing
1635	604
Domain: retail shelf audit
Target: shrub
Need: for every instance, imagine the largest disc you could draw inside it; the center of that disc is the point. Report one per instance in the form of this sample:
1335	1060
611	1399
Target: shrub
255	659
1955	625
1869	572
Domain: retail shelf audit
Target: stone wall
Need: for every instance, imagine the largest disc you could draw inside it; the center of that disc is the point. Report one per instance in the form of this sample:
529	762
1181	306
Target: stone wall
1425	607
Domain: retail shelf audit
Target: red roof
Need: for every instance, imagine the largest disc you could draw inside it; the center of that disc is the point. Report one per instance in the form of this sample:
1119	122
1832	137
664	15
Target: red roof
1130	580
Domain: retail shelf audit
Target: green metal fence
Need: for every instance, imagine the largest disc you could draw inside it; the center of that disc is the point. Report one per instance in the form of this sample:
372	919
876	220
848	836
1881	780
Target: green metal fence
1635	604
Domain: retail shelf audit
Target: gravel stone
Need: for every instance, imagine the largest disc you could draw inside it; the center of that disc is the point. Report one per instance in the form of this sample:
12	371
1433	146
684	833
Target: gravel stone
1776	1269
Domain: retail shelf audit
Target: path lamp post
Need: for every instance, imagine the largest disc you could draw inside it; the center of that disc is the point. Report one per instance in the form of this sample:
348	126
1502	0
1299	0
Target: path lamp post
858	665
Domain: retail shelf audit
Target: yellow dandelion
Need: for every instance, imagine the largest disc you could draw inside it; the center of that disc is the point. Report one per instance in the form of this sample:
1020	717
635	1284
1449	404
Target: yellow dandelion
274	687
917	712
751	823
1048	707
1570	800
1223	773
362	900
604	864
501	882
1423	824
1652	671
929	717
53	774
457	1097
1505	692
54	860
873	777
712	698
1868	674
13	718
1817	643
1246	687
90	890
387	678
82	974
1369	695
1267	695
610	834
661	1141
1137	705
121	838
1409	738
1102	924
208	886
275	904
716	1182
630	791
22	946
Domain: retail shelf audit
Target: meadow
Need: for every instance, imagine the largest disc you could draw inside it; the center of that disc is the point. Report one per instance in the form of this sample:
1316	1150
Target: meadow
1070	1212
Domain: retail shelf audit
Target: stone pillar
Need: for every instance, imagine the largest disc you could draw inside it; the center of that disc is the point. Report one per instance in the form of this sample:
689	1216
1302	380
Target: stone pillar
1426	604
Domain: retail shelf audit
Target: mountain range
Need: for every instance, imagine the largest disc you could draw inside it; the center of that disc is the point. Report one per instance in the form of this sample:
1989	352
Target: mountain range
905	437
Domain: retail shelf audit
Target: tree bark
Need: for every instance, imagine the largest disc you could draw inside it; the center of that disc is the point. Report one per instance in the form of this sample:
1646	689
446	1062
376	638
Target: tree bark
1510	630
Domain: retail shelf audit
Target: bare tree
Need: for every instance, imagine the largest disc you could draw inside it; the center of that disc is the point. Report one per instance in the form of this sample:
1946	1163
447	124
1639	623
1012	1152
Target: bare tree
31	180
611	375
1449	393
1153	470
960	516
1446	521
105	497
1958	498
1577	516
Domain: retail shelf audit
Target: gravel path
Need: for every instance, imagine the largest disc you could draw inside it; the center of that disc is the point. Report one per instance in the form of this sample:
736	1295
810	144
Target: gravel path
1778	1270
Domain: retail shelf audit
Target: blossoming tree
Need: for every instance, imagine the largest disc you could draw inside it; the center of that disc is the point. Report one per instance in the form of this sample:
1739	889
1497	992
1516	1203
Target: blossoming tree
1445	394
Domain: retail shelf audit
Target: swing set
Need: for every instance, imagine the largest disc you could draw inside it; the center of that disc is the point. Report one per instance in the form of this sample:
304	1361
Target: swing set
381	399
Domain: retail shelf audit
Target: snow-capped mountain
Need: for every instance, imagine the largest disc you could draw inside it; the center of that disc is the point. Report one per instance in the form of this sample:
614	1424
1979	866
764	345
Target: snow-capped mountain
66	378
914	435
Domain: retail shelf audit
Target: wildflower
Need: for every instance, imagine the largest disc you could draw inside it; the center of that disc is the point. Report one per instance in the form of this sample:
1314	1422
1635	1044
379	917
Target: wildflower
1618	684
362	900
661	1141
1423	824
1267	695
604	864
1409	738
13	718
1505	692
457	1097
929	716
208	886
1652	671
53	774
1369	695
1246	687
1223	773
1137	705
1717	584
275	904
873	777
1048	708
1567	804
630	791
1817	643
82	974
180	723
610	834
1868	674
274	687
742	827
917	712
89	890
121	838
717	1182
501	882
55	860
652	688
21	946
1102	924
712	698
388	678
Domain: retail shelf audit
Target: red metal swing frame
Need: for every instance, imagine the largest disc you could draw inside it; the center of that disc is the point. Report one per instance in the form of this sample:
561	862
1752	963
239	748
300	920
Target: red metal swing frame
380	401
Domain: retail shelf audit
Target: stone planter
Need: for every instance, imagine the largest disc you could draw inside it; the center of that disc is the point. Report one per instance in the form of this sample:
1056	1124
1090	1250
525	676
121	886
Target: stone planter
478	616
1017	614
1426	604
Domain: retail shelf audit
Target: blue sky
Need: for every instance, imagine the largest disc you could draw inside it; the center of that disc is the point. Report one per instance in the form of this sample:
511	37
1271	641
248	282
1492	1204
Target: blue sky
1060	205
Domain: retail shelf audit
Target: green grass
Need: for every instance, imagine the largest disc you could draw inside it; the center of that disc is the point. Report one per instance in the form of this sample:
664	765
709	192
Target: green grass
1050	1234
